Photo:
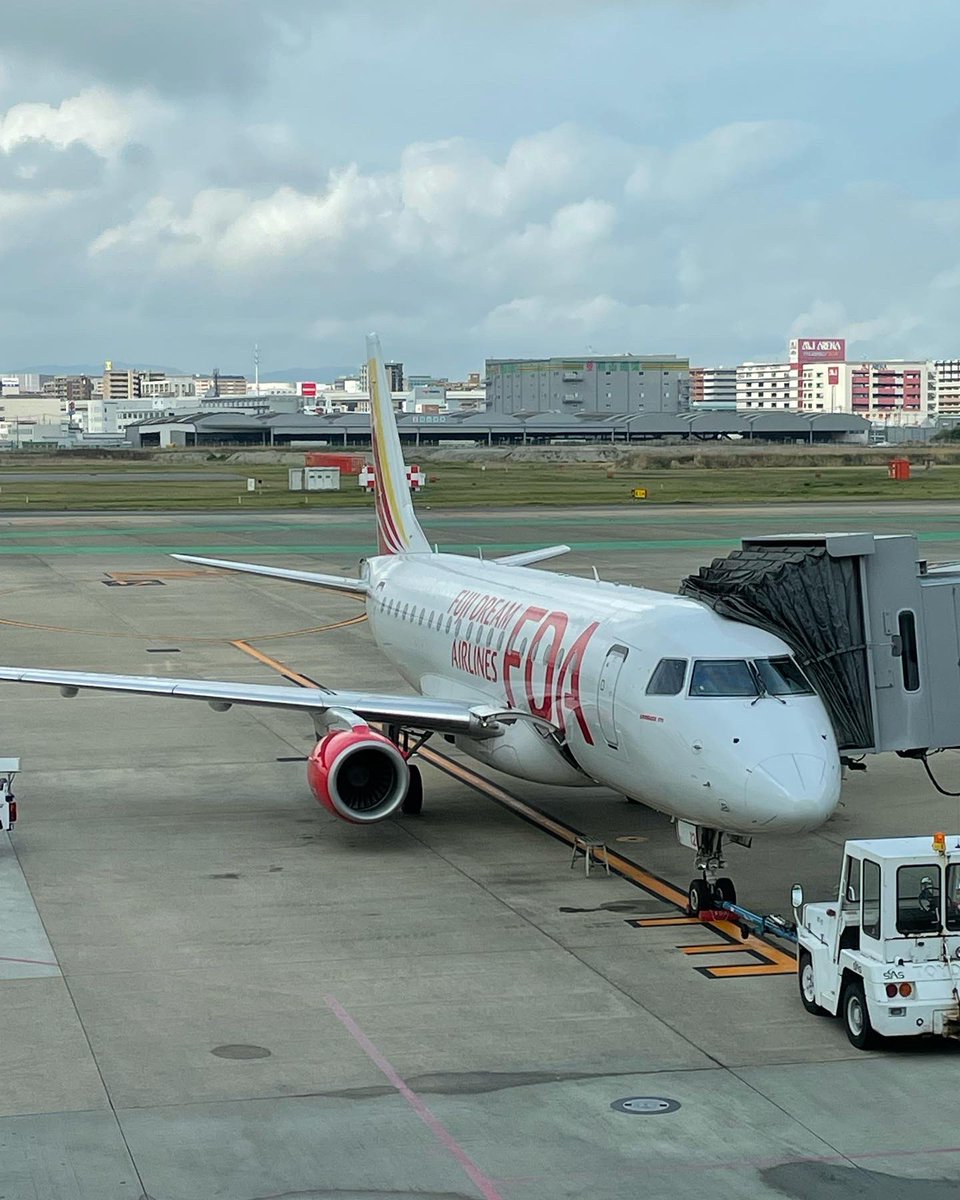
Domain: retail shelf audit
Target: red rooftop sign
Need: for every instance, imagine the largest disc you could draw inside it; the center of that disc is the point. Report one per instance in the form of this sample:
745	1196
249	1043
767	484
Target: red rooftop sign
806	350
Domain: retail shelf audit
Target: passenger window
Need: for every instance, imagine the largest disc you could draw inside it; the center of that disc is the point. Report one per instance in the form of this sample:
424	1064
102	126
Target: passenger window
449	623
406	608
918	898
870	912
423	613
490	637
667	678
722	677
430	619
909	664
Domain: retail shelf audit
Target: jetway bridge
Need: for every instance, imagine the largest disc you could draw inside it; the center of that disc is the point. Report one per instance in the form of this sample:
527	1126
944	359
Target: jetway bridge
876	628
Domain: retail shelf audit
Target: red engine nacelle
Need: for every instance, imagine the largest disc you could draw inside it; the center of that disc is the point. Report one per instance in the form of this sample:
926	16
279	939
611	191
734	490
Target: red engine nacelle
358	774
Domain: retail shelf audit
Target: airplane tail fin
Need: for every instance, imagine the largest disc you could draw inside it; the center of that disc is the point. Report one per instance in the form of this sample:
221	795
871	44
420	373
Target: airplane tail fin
398	531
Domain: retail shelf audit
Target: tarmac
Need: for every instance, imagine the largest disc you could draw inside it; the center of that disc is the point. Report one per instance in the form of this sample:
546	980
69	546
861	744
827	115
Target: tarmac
210	988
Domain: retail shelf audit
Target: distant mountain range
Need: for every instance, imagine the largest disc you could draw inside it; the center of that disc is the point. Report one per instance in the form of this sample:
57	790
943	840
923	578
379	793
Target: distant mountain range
320	374
89	368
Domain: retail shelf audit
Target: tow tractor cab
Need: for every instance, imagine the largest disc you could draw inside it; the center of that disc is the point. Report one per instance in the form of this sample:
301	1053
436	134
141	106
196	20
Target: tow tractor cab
885	955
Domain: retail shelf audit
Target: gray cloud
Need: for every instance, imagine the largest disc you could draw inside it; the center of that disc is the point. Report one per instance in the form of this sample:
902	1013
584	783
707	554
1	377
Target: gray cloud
179	180
173	46
36	166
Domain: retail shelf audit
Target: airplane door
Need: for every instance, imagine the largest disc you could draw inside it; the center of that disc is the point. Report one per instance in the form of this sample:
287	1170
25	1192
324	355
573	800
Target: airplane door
607	692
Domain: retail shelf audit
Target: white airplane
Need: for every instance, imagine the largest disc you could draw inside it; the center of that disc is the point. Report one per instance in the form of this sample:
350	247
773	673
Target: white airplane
551	678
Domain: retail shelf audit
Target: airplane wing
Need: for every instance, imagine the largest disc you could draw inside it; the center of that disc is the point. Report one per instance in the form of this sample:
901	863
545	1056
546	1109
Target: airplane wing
334	583
526	558
417	712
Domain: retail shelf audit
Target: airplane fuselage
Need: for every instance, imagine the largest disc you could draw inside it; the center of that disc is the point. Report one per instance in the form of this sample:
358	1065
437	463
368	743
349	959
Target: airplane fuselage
580	655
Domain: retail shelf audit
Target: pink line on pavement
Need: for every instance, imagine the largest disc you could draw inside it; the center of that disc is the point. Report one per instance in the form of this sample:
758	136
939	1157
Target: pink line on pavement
444	1137
37	962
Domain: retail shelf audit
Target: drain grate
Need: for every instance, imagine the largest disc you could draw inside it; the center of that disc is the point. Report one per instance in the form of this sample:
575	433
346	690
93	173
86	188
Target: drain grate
240	1050
645	1106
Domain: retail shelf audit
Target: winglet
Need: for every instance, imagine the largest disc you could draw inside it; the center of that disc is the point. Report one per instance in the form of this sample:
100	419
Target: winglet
398	530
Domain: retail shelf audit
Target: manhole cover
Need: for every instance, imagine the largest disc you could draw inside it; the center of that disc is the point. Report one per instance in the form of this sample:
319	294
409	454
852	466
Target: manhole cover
645	1106
240	1051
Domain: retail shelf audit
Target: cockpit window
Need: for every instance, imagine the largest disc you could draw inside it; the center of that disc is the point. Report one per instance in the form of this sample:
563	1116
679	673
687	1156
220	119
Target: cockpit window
723	677
782	677
667	678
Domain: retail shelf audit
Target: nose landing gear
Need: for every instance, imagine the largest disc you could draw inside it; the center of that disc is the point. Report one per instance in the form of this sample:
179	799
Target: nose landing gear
710	891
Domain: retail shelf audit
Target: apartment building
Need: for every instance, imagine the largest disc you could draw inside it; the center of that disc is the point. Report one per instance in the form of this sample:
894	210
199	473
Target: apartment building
713	387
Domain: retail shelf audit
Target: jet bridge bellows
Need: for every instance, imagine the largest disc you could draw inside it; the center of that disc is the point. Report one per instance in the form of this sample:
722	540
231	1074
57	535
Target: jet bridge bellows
875	629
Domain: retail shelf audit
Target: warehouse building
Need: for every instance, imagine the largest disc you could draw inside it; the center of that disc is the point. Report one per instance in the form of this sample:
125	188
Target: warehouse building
350	430
625	383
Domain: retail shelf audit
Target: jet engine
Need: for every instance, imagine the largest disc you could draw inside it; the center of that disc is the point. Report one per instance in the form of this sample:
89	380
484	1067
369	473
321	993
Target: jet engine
358	774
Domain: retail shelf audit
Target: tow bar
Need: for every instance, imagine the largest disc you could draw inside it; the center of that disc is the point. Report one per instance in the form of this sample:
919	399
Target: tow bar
751	922
8	804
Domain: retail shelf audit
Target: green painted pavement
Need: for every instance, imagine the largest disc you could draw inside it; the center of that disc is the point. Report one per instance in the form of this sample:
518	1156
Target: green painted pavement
99	529
342	548
367	547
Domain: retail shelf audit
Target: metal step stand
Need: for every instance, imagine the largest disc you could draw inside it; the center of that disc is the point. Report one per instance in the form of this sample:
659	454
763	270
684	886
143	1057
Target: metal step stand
594	848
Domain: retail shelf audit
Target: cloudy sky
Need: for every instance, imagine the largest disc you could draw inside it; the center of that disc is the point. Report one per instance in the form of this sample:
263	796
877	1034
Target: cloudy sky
182	178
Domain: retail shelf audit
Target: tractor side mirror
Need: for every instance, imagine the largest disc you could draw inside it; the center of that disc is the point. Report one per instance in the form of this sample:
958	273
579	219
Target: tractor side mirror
796	895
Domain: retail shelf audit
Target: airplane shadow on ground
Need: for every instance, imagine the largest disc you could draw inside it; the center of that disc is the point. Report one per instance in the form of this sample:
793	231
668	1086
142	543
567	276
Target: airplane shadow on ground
828	1181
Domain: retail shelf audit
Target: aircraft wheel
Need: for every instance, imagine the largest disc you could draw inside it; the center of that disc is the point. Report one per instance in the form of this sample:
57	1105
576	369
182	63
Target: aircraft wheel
807	988
699	897
856	1019
412	803
724	891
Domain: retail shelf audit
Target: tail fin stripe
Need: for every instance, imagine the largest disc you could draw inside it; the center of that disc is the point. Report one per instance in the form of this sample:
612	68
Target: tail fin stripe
387	527
387	491
388	534
398	530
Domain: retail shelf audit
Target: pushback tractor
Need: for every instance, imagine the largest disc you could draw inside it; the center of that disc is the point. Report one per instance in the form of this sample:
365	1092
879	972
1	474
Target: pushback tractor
884	956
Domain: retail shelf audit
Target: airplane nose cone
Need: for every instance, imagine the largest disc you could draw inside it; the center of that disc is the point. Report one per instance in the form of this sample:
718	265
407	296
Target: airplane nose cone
793	792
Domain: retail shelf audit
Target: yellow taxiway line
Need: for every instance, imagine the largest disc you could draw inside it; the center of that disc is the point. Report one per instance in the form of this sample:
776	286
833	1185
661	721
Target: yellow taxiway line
768	958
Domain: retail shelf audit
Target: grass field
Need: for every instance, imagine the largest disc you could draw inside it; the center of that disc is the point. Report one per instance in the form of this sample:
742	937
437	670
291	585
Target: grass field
465	485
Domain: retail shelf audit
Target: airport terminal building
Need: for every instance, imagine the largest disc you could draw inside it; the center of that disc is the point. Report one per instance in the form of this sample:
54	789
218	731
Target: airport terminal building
623	383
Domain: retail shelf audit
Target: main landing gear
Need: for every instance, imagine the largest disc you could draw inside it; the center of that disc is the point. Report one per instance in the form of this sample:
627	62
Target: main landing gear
709	891
408	744
412	803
